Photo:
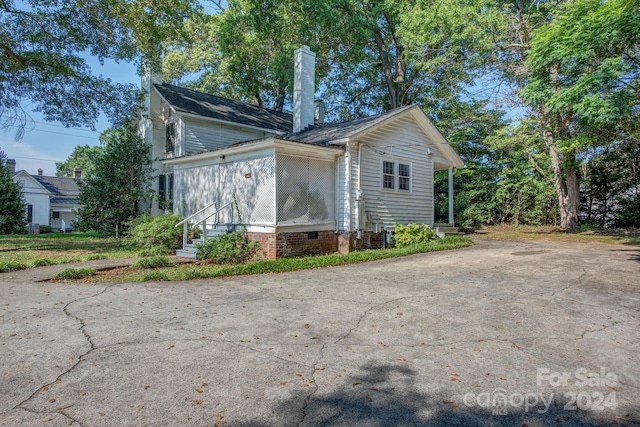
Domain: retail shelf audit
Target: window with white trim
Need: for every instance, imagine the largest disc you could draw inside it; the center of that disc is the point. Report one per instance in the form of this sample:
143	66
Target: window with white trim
396	176
404	175
170	138
388	175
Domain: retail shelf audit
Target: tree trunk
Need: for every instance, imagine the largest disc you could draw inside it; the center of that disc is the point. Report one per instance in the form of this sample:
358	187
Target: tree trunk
566	183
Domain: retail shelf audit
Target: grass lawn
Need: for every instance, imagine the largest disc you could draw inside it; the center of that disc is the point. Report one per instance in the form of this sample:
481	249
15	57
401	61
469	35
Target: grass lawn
58	248
555	234
202	270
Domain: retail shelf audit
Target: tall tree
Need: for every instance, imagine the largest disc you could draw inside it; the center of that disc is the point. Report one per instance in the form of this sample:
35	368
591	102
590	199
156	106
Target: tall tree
369	59
120	183
82	157
574	65
12	205
42	51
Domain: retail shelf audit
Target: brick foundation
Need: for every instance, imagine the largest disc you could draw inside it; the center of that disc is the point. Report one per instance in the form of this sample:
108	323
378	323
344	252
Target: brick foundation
347	242
283	245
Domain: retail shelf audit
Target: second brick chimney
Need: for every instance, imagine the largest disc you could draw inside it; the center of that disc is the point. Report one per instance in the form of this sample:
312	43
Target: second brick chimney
77	173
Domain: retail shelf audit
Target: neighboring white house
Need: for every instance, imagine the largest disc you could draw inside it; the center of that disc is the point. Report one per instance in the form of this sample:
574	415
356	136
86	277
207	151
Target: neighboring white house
50	200
301	187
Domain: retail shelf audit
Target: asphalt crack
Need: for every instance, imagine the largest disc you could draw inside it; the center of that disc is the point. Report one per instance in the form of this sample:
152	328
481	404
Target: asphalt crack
369	310
70	418
315	384
92	347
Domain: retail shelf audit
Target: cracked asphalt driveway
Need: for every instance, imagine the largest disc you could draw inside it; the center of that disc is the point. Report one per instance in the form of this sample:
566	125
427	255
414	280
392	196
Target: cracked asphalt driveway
503	333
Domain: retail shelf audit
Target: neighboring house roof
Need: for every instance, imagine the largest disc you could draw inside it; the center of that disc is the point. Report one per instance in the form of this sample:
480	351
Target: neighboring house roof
323	135
59	187
219	108
65	202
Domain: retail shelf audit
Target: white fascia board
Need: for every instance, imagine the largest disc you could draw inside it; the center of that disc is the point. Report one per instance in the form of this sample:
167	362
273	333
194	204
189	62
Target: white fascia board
386	121
341	141
163	99
307	150
25	174
260	144
438	139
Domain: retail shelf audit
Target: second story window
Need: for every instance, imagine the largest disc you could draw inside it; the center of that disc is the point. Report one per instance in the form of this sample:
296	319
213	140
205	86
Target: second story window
170	141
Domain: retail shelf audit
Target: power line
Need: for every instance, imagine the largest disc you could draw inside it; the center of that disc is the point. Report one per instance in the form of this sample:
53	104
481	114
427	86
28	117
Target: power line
35	158
64	127
67	134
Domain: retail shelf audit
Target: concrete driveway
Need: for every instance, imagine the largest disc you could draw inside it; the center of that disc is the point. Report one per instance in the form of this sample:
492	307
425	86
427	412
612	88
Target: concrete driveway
503	333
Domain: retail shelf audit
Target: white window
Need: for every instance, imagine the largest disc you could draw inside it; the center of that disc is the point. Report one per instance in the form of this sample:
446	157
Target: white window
170	138
396	176
388	175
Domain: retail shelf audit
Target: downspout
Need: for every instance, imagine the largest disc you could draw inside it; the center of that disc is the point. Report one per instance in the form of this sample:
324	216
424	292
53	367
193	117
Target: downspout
347	185
337	195
358	196
452	172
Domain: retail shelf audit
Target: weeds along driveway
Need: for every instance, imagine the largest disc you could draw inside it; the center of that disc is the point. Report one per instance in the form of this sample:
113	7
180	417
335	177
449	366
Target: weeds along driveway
503	333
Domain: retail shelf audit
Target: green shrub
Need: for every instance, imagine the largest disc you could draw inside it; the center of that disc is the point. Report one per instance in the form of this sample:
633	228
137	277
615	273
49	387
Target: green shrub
74	273
590	225
152	262
230	248
156	231
411	234
46	229
11	266
155	251
41	262
154	276
94	257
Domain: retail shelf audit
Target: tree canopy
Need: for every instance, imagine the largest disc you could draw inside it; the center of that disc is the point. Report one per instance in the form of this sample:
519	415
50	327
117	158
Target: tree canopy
120	183
82	157
43	47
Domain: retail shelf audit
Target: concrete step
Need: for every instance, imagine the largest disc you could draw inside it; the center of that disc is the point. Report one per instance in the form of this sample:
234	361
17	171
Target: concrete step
185	254
443	229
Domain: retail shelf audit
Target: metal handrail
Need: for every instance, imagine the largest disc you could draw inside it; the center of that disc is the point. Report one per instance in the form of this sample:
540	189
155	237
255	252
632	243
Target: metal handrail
187	219
185	225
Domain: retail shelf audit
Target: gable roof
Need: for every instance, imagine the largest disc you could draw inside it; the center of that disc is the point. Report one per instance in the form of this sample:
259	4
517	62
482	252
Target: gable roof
216	107
339	132
59	187
323	135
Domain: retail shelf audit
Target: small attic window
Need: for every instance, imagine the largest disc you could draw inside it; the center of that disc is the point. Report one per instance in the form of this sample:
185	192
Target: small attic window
170	140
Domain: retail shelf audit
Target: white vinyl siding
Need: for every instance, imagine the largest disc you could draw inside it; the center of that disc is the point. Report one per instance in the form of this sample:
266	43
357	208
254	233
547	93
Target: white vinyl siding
402	142
202	136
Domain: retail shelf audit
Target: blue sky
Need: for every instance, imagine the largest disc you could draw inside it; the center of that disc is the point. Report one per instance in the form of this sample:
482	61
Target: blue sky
50	142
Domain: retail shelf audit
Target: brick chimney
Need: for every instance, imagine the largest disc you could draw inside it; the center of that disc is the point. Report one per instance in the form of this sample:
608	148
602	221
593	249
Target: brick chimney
11	165
77	173
303	88
40	171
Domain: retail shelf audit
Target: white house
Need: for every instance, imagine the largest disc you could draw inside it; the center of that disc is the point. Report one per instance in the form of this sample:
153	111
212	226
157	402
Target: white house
50	200
301	187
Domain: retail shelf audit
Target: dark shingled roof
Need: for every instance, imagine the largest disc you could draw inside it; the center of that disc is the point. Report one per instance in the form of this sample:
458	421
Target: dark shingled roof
58	186
215	107
323	135
64	202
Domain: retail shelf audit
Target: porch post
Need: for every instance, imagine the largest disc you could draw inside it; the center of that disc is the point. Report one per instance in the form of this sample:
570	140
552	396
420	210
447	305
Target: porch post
451	195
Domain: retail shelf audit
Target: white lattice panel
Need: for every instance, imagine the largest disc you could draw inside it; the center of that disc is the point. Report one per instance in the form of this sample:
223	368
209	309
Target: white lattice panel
306	190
